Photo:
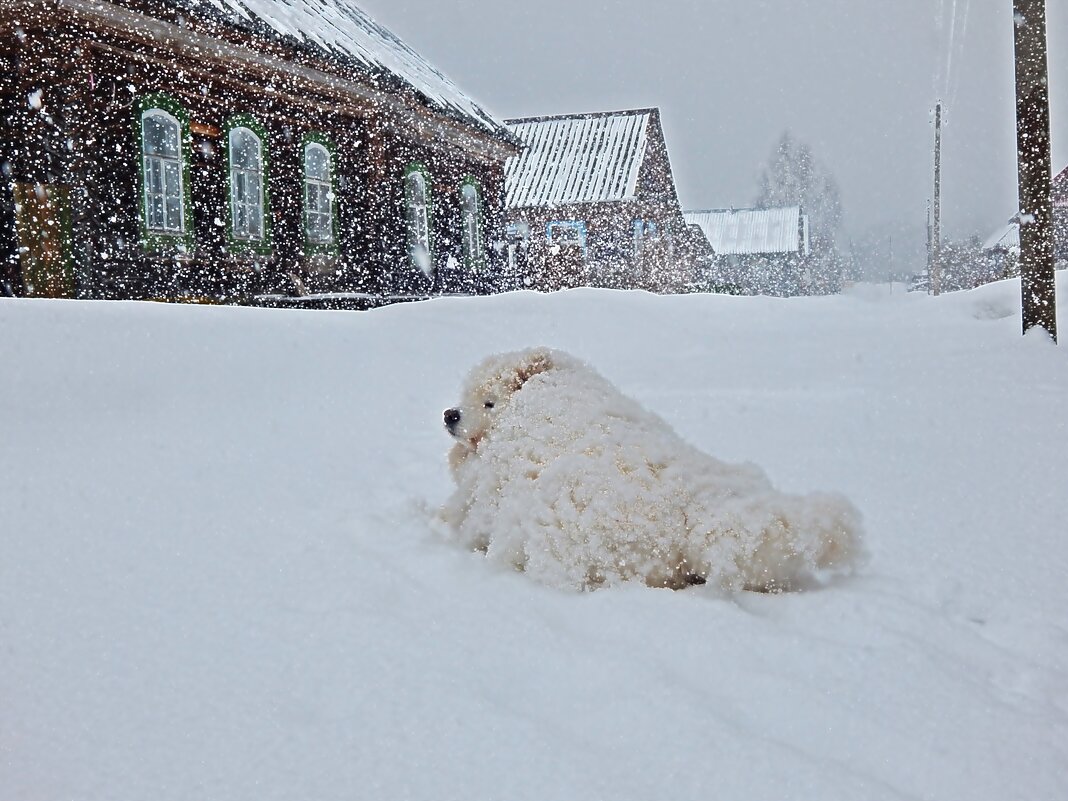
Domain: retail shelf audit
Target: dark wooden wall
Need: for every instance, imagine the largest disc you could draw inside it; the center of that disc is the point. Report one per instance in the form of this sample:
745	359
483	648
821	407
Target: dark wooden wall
610	261
86	137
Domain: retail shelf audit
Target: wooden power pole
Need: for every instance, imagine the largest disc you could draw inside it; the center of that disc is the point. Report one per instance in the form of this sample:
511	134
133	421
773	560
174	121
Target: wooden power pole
1037	277
936	230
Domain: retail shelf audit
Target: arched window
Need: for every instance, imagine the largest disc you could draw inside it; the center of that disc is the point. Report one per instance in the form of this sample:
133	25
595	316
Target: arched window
417	198
164	192
472	225
318	195
246	185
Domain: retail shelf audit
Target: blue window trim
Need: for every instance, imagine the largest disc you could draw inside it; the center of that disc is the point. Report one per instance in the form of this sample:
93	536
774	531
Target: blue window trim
577	225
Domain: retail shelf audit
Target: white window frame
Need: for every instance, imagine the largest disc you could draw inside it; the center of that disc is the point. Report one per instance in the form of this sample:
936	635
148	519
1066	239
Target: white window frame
417	217
322	191
577	227
242	201
168	189
471	210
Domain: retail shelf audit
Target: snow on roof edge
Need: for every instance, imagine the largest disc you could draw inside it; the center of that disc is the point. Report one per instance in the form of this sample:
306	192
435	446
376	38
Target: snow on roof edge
341	29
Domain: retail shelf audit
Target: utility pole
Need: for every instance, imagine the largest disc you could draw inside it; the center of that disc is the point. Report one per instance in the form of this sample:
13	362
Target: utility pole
1037	277
936	233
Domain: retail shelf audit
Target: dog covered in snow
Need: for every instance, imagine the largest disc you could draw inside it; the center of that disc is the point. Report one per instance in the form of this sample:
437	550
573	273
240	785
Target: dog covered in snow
560	475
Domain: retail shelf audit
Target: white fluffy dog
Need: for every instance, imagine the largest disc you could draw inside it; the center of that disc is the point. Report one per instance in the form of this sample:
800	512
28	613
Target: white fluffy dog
558	474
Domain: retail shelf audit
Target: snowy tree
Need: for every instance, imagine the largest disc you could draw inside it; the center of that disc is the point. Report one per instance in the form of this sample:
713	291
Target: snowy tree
793	177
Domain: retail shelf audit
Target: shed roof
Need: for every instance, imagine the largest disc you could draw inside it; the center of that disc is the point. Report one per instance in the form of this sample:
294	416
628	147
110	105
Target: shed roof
584	158
1007	238
753	231
340	29
1060	188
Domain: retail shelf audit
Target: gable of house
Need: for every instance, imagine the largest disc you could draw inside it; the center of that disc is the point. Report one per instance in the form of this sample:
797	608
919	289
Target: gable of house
579	159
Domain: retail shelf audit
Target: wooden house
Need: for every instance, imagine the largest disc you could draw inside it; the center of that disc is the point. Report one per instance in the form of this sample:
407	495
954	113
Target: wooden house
591	200
757	251
235	151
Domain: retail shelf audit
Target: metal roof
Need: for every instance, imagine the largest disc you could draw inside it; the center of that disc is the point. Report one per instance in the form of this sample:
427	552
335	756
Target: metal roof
586	158
341	29
753	231
1060	188
1007	238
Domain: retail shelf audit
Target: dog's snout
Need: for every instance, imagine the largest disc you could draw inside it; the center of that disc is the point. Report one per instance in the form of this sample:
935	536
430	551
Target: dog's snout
452	417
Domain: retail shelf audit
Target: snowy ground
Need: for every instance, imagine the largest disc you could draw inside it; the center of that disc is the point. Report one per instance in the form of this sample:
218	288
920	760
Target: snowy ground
219	577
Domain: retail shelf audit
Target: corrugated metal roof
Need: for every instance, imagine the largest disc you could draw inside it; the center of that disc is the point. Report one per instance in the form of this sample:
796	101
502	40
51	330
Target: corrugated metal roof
753	231
589	158
340	28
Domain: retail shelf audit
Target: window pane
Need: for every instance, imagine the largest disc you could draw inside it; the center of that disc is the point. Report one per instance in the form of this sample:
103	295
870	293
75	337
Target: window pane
172	181
416	189
174	214
155	212
317	163
161	135
154	176
566	234
470	199
255	222
244	149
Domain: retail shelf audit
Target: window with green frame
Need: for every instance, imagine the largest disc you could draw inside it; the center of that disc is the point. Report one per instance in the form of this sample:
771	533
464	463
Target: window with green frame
163	134
246	151
320	199
417	215
471	224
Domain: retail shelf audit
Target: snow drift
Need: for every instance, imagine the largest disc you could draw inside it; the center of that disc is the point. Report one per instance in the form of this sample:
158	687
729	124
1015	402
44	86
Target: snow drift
218	577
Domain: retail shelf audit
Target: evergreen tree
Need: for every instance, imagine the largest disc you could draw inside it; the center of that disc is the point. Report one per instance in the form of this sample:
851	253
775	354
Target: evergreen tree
793	177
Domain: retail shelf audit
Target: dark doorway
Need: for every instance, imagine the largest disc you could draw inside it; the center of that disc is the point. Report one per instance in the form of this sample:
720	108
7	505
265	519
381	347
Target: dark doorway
43	235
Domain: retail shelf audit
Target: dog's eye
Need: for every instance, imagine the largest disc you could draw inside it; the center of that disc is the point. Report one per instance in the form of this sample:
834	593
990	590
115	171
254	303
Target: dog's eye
489	404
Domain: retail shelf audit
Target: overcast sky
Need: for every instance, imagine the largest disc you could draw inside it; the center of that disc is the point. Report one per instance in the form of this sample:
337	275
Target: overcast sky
856	79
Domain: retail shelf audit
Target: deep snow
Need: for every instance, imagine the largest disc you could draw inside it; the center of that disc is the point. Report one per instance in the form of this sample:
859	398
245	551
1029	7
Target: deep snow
220	575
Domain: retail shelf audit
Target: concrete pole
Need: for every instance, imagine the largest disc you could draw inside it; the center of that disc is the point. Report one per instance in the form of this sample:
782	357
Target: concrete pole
936	233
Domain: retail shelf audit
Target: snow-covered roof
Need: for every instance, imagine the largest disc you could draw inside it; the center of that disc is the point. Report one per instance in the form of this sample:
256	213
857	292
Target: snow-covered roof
339	28
1060	188
753	231
1007	238
585	158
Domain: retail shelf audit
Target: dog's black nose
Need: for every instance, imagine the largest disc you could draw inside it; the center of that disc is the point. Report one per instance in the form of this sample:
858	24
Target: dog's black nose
452	417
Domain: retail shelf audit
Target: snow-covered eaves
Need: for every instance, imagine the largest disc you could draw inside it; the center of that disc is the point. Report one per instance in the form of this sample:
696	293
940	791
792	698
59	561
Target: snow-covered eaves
738	232
1060	189
585	158
1007	238
340	29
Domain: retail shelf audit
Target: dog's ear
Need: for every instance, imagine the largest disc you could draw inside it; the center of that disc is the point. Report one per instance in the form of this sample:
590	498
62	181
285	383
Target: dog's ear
533	362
